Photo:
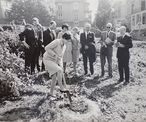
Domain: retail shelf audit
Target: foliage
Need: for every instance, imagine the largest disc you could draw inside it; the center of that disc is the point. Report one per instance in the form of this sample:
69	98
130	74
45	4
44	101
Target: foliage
11	67
103	14
27	9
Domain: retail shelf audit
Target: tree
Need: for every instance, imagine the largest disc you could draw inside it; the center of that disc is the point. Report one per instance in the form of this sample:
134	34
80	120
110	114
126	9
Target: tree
103	14
27	9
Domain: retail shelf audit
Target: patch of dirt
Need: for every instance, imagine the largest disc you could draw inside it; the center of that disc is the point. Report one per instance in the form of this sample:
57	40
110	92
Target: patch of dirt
94	100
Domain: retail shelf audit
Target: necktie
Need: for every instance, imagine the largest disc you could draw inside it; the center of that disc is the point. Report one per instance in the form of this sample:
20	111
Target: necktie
87	34
108	34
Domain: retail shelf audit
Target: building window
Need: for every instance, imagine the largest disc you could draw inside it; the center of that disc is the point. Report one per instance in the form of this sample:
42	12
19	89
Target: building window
76	16
133	20
119	12
76	23
144	18
7	13
138	19
143	5
76	6
132	8
59	15
59	8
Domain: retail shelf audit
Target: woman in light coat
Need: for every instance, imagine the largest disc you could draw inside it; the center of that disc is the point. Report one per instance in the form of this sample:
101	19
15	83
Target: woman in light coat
75	48
67	58
53	60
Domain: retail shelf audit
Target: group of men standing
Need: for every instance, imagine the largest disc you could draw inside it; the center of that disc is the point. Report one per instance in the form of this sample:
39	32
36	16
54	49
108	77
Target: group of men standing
35	39
124	42
107	40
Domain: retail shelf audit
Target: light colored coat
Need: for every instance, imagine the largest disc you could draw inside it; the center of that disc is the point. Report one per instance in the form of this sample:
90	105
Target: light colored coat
59	50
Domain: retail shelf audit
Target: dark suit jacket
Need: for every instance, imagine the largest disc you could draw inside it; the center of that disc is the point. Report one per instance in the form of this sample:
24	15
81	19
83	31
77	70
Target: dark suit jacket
28	36
123	53
109	49
89	41
47	38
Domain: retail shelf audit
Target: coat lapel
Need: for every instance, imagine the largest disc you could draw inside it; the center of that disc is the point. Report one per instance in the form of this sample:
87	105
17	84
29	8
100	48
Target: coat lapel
85	36
88	35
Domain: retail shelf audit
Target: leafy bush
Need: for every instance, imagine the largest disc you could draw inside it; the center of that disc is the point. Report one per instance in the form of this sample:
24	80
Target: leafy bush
11	66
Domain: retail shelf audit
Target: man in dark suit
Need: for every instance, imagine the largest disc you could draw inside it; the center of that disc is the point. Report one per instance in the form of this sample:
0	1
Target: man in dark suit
106	51
88	48
38	30
124	42
29	41
48	36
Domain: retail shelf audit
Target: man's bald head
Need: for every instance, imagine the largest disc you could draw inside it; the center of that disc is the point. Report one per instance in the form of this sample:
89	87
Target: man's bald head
122	30
87	27
53	25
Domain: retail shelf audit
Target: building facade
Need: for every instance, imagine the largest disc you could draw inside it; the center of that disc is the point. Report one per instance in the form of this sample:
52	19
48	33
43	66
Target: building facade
73	12
131	12
138	14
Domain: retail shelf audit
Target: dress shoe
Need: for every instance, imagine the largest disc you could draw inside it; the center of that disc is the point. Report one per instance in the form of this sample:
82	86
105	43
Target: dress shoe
88	75
126	83
64	90
102	75
32	73
120	80
110	76
85	73
92	76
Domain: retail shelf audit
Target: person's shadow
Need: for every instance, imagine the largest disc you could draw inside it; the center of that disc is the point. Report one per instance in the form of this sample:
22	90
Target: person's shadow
27	113
105	91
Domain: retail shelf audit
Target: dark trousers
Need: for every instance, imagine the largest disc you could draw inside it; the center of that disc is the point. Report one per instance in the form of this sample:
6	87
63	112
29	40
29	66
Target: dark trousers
85	61
43	66
32	59
123	65
103	61
36	56
27	60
